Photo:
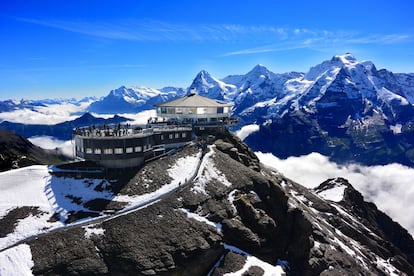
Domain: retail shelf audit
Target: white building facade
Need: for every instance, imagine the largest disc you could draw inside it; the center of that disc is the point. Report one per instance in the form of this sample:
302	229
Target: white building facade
195	109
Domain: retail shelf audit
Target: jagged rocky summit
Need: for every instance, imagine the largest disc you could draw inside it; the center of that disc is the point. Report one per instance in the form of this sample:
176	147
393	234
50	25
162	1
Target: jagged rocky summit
235	212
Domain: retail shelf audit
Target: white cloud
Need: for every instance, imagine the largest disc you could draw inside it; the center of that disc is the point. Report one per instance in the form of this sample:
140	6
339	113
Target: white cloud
48	142
389	187
247	130
155	30
45	115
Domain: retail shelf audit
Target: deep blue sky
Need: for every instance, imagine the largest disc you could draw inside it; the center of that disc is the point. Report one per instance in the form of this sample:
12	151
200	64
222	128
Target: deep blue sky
58	48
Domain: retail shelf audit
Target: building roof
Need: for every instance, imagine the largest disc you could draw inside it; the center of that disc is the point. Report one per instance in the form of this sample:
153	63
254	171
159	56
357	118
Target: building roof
193	100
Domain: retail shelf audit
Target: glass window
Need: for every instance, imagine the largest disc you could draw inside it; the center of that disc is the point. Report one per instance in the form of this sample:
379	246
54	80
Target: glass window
119	150
162	137
129	150
88	150
220	109
177	135
108	151
98	151
170	136
138	149
183	134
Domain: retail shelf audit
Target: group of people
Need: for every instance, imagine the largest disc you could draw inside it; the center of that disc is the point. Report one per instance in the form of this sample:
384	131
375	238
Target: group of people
105	130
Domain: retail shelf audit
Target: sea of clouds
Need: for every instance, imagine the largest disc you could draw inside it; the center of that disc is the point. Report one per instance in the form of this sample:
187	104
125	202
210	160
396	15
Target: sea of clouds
390	186
44	115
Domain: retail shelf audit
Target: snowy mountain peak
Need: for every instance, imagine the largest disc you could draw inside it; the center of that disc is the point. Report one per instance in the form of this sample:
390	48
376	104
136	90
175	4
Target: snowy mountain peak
204	73
206	85
347	59
329	68
133	99
259	71
205	78
119	92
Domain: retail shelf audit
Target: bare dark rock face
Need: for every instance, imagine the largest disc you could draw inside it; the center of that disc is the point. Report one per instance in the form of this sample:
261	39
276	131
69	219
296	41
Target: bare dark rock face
229	263
247	207
16	152
66	253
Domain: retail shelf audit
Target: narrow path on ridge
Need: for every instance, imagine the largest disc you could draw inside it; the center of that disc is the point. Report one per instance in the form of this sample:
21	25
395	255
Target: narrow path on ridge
122	212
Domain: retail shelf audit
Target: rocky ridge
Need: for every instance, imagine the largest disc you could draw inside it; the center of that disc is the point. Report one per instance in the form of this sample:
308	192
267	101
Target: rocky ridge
232	203
16	152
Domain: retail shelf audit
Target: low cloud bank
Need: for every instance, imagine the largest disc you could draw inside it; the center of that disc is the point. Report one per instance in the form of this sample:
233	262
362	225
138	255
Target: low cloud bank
246	131
390	187
48	142
45	115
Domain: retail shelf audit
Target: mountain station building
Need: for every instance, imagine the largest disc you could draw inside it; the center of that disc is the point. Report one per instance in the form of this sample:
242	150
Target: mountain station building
177	123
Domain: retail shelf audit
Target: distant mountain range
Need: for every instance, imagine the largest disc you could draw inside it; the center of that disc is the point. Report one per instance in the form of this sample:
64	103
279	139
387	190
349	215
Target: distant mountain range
62	131
343	108
133	99
12	105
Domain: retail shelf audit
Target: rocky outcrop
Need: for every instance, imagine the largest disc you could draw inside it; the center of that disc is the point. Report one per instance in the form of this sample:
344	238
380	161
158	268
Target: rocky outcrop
16	152
236	149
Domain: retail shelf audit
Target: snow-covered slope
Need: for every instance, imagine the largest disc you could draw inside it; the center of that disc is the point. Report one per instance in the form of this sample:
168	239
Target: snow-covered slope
343	81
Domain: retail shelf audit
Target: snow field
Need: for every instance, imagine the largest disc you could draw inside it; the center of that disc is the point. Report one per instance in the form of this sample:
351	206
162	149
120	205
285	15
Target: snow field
16	261
23	187
34	187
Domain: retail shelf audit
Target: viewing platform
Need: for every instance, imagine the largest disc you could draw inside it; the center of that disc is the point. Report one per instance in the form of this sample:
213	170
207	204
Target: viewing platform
124	145
126	130
176	124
